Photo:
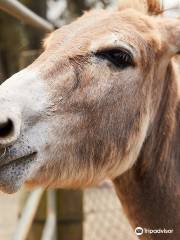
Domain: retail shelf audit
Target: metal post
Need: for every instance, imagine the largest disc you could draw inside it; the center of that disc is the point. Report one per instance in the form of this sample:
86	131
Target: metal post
49	231
28	215
21	12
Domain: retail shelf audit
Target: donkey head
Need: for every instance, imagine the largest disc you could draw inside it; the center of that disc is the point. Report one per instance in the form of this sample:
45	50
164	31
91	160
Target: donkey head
81	112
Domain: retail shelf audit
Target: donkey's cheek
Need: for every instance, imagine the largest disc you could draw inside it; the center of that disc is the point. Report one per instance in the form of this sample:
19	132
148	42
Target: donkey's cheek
61	165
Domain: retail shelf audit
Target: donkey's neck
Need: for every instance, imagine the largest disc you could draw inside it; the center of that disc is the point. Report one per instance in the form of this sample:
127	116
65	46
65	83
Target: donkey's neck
150	191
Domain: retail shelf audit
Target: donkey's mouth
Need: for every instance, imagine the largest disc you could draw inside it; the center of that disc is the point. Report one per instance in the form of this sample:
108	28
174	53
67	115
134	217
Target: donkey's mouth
8	160
15	171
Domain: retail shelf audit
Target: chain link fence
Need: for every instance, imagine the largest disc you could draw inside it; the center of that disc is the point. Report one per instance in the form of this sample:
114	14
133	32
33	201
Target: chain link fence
104	217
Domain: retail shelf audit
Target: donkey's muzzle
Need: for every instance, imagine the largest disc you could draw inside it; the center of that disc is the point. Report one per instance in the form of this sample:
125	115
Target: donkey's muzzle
6	127
9	127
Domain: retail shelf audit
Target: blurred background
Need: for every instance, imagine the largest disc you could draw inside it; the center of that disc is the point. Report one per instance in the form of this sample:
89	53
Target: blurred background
92	214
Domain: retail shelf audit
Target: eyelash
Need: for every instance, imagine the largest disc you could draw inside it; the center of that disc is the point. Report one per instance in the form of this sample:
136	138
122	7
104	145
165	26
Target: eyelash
119	57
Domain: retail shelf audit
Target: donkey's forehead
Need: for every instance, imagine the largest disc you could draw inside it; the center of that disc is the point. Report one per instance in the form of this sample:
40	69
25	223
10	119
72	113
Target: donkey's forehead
101	29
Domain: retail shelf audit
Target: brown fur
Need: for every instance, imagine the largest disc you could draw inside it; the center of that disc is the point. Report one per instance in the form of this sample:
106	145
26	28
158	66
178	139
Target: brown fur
149	191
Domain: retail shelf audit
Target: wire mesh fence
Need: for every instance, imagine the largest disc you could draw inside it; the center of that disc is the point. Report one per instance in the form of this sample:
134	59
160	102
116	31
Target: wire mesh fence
104	217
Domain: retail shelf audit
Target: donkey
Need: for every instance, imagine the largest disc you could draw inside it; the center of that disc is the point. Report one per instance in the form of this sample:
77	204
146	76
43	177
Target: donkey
101	101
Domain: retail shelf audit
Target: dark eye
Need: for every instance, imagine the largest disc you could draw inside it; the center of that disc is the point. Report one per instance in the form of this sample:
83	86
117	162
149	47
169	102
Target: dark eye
121	58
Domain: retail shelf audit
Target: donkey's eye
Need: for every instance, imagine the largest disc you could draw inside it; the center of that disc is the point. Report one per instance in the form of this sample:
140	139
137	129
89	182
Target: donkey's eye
121	58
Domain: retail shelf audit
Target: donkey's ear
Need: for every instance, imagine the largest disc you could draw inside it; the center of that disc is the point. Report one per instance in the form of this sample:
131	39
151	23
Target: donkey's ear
151	7
170	29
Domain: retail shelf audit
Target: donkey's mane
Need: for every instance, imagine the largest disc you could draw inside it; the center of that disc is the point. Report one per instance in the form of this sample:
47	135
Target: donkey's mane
150	7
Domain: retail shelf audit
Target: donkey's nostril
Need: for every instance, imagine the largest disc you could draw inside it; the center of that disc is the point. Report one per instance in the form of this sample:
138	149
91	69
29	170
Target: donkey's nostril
6	128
